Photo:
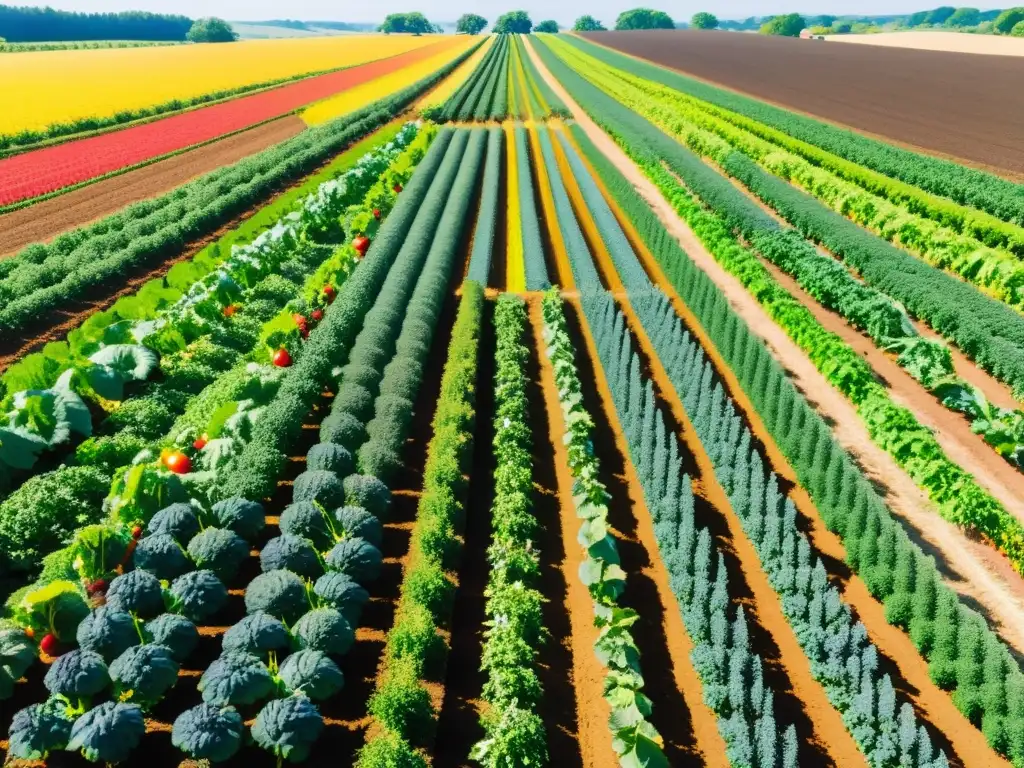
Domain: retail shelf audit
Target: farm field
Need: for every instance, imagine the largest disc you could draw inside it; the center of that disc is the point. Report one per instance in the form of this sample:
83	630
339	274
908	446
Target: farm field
531	407
956	42
899	94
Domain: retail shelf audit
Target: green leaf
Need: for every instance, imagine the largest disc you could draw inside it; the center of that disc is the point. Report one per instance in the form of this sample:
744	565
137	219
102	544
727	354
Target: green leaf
133	361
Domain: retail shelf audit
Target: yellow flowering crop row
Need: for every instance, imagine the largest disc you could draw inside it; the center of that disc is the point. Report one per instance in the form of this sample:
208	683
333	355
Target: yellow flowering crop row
361	95
453	82
48	87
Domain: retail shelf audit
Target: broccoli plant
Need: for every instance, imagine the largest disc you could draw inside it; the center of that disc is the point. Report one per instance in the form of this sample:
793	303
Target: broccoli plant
143	674
356	522
311	673
323	629
258	633
39	729
369	493
330	457
320	486
197	595
161	555
357	558
282	594
77	676
293	553
218	550
339	590
244	517
107	733
287	728
236	678
16	656
137	592
206	732
178	521
175	632
108	632
308	520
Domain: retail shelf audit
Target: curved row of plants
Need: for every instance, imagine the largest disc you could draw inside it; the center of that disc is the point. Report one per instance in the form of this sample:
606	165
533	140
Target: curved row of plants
962	651
216	376
171	317
635	740
548	102
894	428
524	228
968	186
41	278
484	94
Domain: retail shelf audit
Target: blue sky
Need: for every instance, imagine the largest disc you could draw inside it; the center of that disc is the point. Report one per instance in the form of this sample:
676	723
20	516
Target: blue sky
564	11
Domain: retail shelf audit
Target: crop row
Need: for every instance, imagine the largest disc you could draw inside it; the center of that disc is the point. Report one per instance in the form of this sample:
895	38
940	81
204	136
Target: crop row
514	734
525	253
211	393
41	278
529	96
329	534
731	674
484	96
893	427
487	221
196	305
1000	198
430	106
635	740
963	653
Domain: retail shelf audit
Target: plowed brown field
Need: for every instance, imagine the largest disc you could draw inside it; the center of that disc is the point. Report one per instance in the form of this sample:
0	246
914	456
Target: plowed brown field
962	105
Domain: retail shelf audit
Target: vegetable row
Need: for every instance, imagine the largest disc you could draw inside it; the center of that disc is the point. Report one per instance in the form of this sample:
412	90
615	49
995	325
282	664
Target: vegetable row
484	95
964	654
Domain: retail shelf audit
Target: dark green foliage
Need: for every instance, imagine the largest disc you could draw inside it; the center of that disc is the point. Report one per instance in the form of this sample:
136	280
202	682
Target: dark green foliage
136	592
487	219
330	457
175	632
206	732
178	521
369	493
533	245
108	632
78	675
292	553
278	593
143	674
320	486
197	595
325	630
342	592
107	733
356	558
161	556
258	633
219	550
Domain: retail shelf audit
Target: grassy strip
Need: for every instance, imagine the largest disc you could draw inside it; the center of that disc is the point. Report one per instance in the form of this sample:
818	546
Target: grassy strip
950	635
401	703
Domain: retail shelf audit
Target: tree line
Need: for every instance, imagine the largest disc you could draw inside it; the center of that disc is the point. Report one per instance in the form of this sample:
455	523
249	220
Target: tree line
34	25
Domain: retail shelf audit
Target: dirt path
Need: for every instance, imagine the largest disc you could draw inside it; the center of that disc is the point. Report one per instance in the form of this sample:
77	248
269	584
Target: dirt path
689	727
967	566
45	220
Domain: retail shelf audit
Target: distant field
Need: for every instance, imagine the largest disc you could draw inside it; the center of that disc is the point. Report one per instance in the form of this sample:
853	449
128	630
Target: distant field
957	42
269	32
902	94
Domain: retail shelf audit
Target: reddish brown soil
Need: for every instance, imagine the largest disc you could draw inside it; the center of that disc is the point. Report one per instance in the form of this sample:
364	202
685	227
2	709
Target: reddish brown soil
974	570
49	218
928	99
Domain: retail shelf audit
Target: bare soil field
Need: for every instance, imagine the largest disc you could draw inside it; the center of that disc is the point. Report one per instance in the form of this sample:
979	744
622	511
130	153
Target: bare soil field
897	93
958	42
49	218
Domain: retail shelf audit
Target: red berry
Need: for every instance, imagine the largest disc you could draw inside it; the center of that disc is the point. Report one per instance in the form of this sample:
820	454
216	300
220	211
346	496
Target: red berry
199	444
97	587
30	633
318	315
329	290
178	463
230	309
376	213
48	644
281	358
137	532
299	320
361	243
397	187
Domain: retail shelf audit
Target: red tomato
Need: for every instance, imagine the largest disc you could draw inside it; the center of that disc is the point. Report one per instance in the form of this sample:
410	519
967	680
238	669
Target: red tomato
281	358
178	463
318	315
361	243
299	320
230	309
397	188
48	644
376	213
137	532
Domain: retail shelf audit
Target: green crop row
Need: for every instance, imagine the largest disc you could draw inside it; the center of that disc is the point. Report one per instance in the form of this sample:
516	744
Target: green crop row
401	704
514	733
635	740
1001	198
550	105
488	217
484	94
533	244
962	651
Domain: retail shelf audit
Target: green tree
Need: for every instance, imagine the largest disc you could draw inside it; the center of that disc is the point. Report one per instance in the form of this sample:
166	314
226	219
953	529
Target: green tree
964	17
588	24
513	23
704	20
916	19
842	27
822	21
939	15
789	25
211	30
644	18
548	25
411	23
470	24
1008	19
1018	30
